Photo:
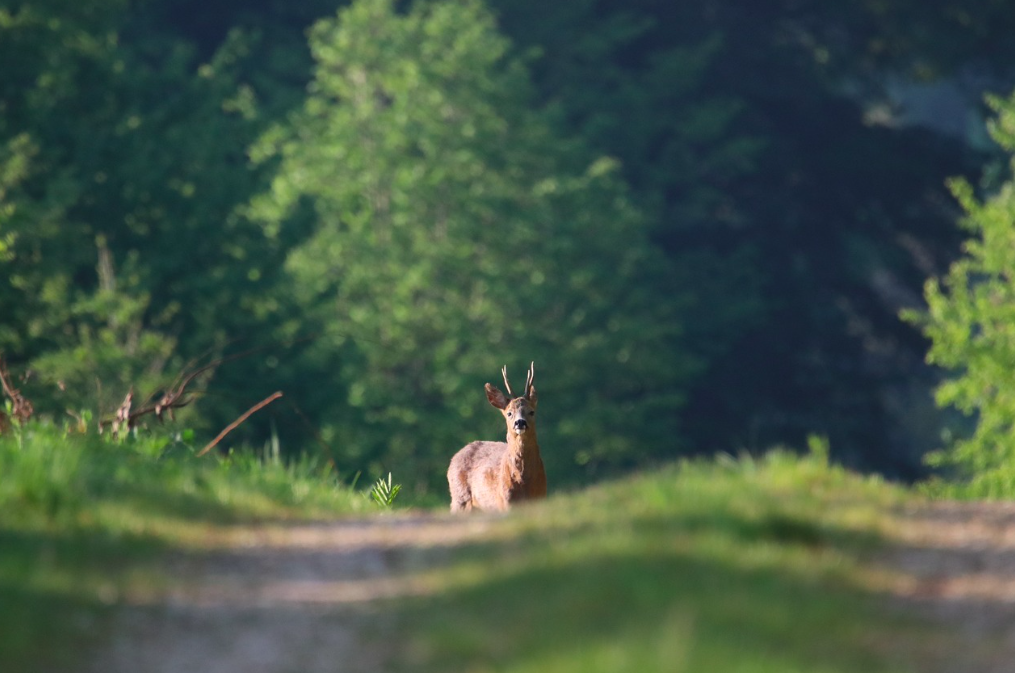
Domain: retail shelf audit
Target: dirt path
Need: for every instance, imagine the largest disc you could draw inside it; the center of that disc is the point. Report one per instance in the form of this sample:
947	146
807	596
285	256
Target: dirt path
955	565
274	599
304	598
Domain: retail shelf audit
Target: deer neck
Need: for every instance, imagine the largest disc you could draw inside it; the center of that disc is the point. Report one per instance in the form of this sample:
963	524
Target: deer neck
522	448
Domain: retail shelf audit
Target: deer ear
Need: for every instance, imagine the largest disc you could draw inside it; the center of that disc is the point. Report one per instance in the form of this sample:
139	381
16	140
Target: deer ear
532	397
496	397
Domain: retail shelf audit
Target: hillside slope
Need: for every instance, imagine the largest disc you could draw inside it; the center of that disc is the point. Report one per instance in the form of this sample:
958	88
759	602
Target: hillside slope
775	564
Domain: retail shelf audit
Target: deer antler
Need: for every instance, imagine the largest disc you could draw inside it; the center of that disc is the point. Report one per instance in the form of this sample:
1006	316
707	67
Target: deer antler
503	372
530	379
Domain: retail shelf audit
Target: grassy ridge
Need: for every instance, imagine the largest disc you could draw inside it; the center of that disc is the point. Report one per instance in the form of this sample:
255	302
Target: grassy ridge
752	566
81	516
731	565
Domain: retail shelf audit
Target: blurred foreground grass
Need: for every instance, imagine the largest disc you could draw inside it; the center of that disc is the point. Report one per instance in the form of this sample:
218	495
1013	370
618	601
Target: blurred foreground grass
731	565
82	516
737	565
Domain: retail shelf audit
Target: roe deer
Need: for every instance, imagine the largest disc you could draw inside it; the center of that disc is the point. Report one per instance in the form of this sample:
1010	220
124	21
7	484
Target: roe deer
492	475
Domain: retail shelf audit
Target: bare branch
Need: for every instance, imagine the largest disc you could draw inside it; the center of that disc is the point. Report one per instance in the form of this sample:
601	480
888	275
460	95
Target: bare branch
232	426
173	397
122	420
21	408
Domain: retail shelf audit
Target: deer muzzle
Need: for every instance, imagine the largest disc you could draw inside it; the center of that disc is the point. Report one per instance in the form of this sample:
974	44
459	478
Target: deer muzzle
520	426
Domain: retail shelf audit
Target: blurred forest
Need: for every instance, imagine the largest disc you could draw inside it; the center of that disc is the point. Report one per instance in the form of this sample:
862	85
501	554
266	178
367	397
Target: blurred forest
700	220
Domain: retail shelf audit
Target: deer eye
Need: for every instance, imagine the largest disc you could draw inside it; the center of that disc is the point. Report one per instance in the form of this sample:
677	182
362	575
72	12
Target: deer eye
509	414
532	413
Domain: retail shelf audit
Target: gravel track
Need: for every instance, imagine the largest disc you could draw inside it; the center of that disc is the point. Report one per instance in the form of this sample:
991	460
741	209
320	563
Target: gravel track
281	598
304	598
954	565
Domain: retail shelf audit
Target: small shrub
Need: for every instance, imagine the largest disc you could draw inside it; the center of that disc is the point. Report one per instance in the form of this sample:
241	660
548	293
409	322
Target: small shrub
384	493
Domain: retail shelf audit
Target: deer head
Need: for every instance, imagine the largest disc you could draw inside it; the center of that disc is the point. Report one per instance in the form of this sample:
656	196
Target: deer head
518	412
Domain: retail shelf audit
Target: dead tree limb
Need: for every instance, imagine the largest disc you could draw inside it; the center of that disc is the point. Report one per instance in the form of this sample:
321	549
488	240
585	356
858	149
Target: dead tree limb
21	408
232	426
175	397
122	420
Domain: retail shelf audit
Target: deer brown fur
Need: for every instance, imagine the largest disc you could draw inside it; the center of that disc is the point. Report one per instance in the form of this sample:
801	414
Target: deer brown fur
493	475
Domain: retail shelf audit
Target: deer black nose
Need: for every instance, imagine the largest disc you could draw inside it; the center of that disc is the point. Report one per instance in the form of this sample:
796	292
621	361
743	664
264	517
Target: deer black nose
521	424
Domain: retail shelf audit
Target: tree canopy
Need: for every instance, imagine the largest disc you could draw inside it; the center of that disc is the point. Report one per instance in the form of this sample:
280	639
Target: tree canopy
970	321
699	220
454	229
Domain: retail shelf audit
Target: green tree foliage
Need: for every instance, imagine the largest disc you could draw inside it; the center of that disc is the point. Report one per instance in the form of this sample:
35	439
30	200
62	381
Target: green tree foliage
923	39
60	60
123	162
454	230
971	324
433	209
802	226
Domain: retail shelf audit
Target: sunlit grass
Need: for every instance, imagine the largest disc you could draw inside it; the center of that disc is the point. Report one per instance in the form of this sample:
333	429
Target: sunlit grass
735	565
82	515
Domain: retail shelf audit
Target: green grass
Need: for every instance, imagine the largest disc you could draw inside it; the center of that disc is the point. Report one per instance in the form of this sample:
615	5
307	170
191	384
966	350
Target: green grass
749	565
745	566
82	516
